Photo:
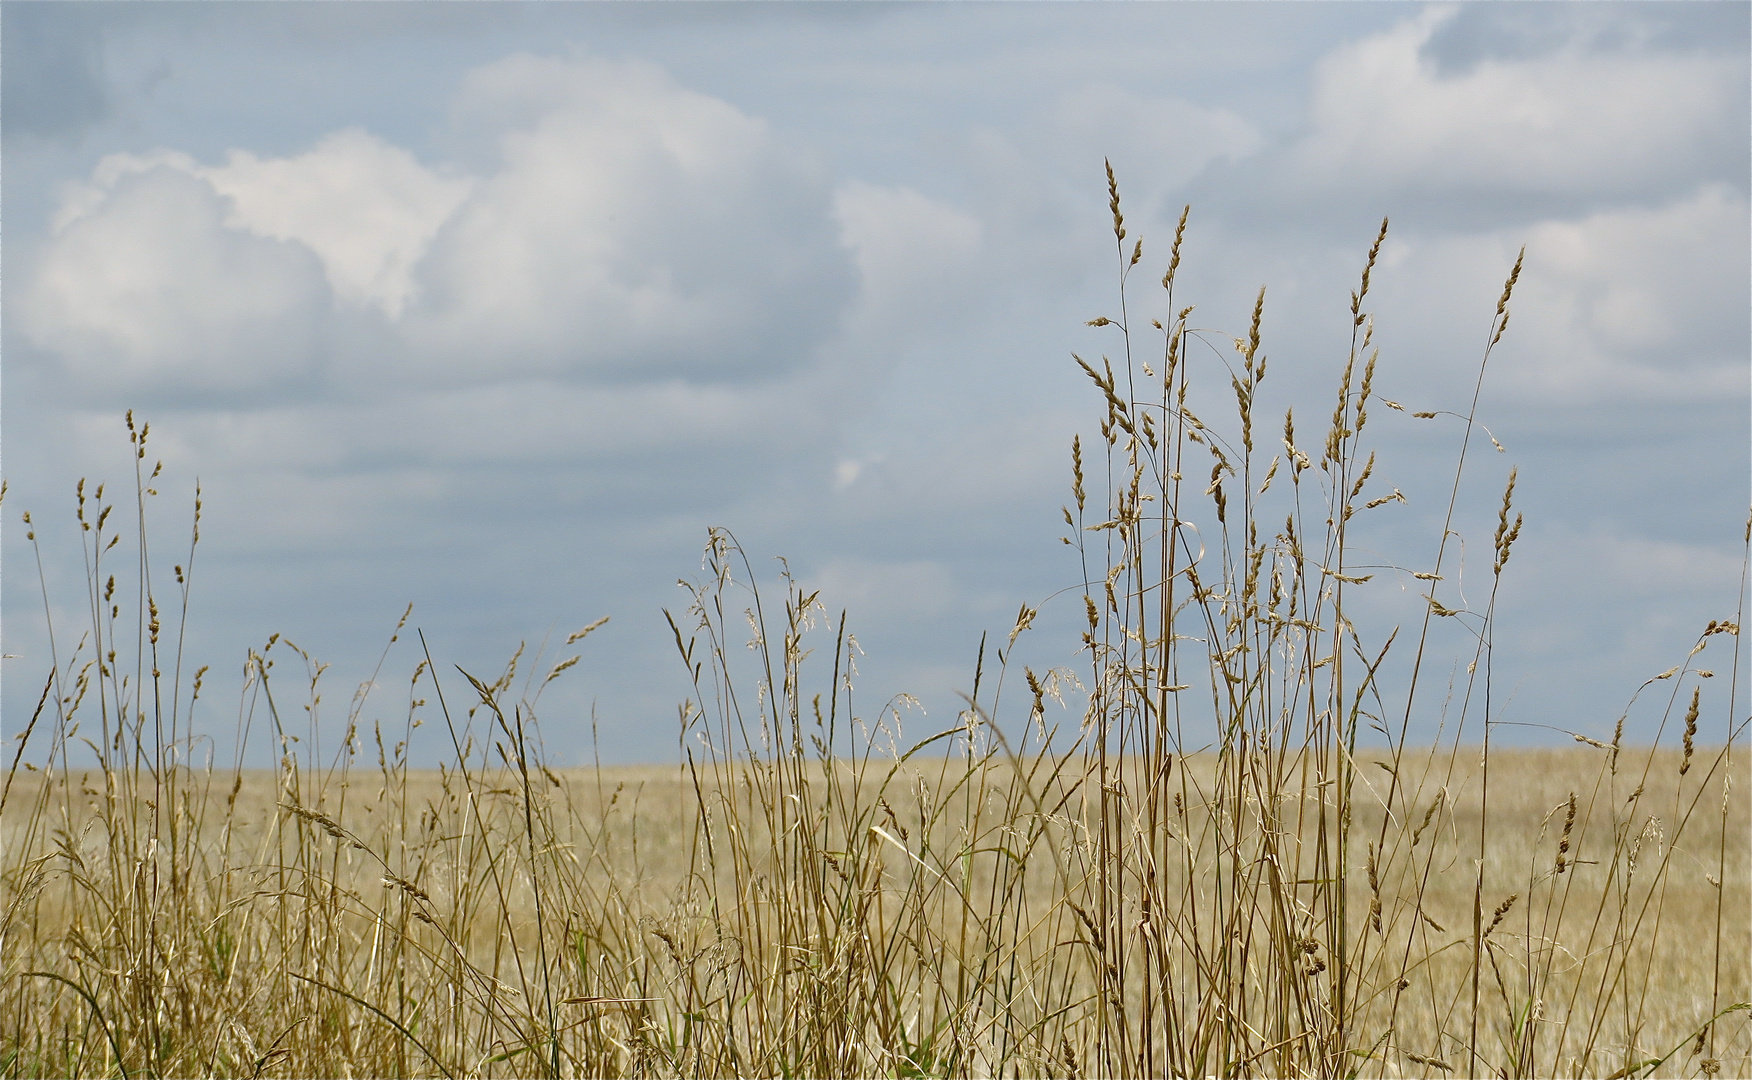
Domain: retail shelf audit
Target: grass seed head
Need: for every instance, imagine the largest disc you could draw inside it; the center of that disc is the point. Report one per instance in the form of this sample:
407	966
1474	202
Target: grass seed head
1174	253
1113	204
1502	909
1690	729
1563	843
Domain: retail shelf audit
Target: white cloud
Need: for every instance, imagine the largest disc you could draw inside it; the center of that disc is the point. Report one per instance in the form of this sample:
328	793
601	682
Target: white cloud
367	209
1570	121
632	227
143	287
1633	302
625	228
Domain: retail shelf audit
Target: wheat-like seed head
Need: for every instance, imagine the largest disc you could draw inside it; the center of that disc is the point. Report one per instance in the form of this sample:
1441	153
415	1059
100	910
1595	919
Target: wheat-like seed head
1690	729
1113	203
1563	843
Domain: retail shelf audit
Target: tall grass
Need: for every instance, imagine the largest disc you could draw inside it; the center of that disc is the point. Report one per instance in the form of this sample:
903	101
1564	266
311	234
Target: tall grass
1239	860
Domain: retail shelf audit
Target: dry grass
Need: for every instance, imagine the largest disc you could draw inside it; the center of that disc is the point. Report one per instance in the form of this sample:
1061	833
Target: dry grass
1232	863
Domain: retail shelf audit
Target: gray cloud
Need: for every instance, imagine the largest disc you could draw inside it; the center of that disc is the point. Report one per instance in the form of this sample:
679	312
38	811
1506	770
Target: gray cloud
1477	34
53	82
798	277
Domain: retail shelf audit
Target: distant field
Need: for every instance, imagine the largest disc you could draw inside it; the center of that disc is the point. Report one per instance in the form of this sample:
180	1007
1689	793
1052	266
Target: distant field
299	926
640	819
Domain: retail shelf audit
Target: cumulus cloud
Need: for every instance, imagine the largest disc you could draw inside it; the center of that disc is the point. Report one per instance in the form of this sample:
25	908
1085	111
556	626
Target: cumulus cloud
621	228
629	226
1643	303
144	288
366	208
1574	119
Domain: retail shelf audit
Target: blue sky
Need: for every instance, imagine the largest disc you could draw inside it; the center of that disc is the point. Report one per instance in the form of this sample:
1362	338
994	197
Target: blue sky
495	309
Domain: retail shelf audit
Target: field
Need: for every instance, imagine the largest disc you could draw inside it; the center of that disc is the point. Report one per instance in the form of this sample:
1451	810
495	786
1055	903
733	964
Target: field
1231	857
379	923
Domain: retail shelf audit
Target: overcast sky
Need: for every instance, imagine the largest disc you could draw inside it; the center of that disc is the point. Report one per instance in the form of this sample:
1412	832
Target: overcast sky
495	309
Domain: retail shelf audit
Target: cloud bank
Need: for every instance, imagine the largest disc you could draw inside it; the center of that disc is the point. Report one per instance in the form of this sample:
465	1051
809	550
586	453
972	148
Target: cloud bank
508	347
617	227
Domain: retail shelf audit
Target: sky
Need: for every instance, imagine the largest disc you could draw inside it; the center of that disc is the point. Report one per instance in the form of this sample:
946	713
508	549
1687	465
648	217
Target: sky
495	309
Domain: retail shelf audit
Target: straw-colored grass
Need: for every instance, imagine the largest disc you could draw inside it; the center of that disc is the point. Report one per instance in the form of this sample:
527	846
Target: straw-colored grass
1233	862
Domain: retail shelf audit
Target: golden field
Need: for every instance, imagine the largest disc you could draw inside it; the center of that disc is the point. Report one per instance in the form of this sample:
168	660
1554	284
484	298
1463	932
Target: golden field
379	923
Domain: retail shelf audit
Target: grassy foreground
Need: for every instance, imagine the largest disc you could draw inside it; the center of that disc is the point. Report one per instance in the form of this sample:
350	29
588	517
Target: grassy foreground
1233	862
